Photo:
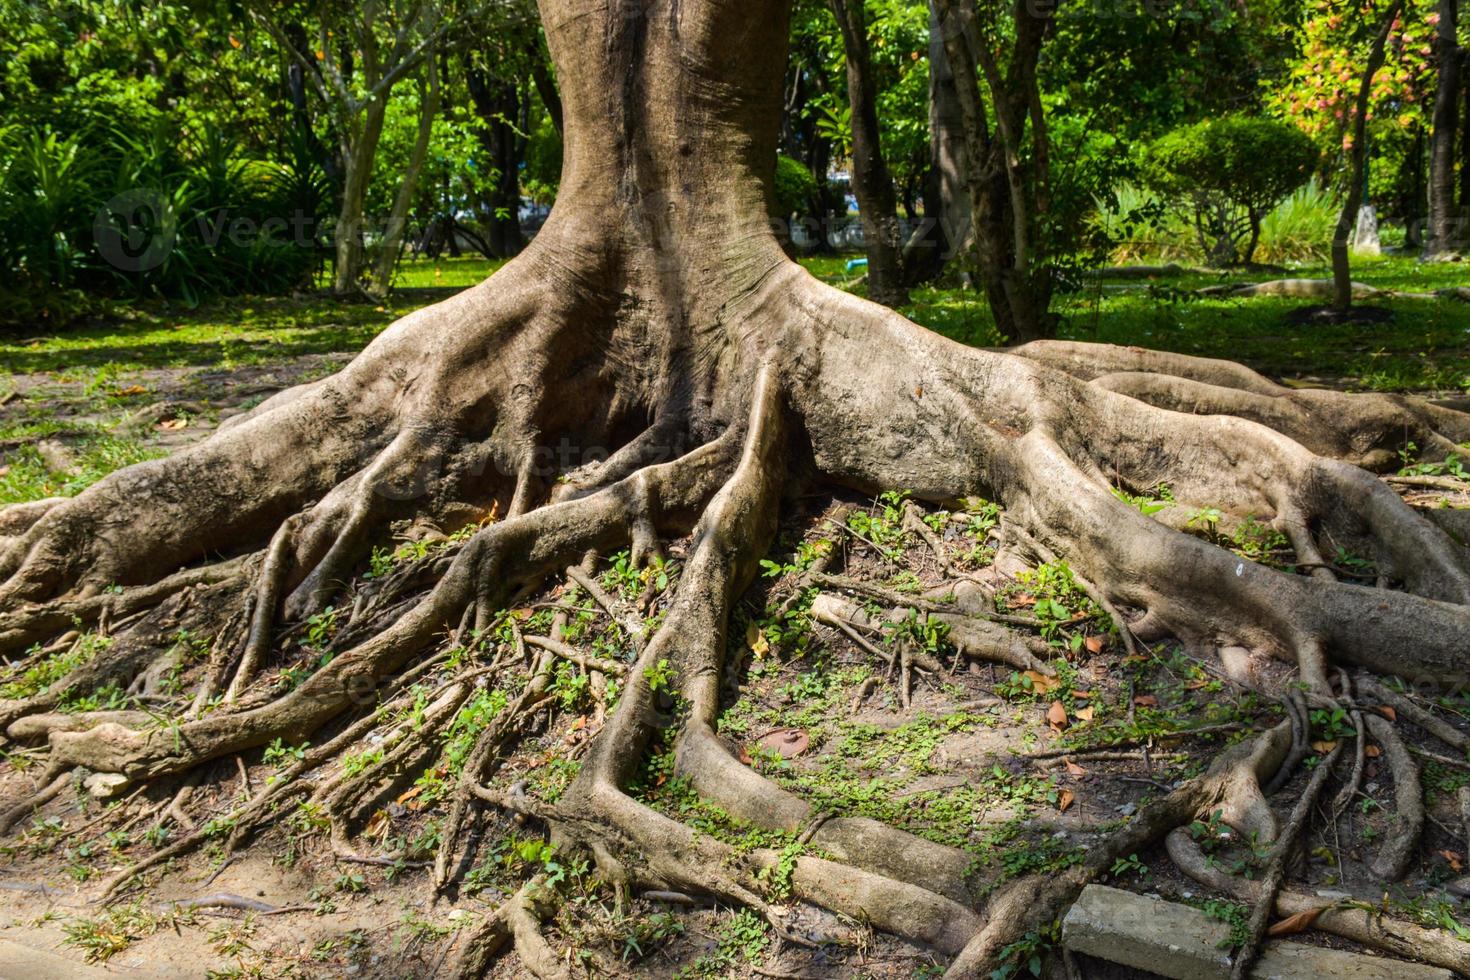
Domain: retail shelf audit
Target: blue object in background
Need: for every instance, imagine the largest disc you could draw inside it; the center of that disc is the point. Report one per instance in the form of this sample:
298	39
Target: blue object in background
856	264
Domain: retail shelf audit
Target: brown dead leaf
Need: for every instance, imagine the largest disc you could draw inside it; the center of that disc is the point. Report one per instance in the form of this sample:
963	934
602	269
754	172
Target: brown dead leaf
1073	769
755	638
1084	714
1301	922
1321	746
1145	700
1388	712
1372	751
173	423
1195	685
1056	715
1040	683
1065	800
375	823
1093	643
132	390
1024	599
1456	860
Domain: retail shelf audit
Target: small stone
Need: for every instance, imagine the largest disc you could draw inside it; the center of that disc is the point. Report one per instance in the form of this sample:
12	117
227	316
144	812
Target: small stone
1460	887
1128	809
456	914
106	785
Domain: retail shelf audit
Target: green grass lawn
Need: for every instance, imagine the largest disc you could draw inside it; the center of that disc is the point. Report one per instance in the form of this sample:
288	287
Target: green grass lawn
1425	347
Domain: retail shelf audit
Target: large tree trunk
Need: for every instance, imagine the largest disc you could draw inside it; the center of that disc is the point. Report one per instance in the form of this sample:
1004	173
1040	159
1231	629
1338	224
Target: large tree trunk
1445	232
653	365
871	181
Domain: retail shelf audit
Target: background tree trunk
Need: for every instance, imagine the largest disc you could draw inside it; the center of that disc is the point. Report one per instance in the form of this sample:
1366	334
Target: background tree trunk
945	231
871	181
359	151
1445	232
498	104
1017	287
1342	281
393	232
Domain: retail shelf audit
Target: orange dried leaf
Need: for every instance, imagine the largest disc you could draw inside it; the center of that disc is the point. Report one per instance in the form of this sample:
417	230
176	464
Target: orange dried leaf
1056	715
1323	746
1073	769
1084	714
1145	700
1093	643
1040	683
1065	800
1455	860
1372	751
1388	712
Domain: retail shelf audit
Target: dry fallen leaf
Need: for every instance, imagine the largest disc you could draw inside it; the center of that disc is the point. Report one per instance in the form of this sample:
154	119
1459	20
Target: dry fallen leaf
1040	683
755	638
1145	700
1388	712
1456	860
132	390
1056	715
173	423
1065	800
1372	751
1073	769
1294	924
1321	746
1093	643
1024	599
1084	714
1195	685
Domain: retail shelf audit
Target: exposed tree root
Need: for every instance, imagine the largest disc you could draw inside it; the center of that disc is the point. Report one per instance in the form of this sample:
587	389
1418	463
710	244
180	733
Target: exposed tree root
654	366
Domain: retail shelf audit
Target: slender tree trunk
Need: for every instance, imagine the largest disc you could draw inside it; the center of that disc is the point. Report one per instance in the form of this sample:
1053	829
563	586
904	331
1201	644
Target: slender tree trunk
871	181
1444	218
1342	282
359	151
392	242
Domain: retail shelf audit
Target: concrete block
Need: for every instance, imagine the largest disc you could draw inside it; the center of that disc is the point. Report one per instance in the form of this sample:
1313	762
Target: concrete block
1184	943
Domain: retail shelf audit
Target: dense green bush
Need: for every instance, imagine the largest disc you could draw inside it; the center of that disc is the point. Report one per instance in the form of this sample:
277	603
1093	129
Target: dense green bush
1298	229
107	213
1227	173
794	186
